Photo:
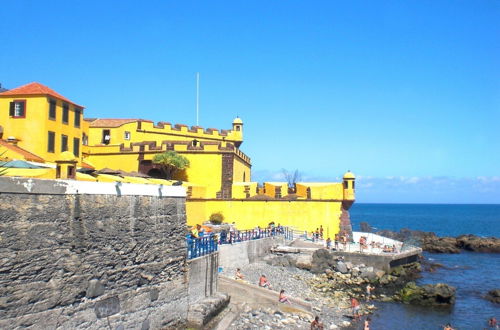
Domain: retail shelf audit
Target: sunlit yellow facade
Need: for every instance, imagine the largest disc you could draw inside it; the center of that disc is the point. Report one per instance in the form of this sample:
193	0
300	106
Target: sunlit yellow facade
43	122
38	124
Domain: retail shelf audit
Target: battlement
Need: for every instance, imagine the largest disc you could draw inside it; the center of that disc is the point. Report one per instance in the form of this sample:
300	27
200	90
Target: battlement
194	131
166	128
178	146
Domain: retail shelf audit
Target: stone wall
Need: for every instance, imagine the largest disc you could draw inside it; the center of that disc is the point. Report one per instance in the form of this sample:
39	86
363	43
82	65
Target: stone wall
105	259
202	275
240	254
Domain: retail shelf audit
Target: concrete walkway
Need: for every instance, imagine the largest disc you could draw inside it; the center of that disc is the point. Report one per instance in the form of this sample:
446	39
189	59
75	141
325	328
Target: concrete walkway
245	294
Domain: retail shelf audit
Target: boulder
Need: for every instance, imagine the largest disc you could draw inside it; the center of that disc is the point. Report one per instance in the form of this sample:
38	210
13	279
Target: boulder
341	267
493	296
428	295
304	261
479	244
440	245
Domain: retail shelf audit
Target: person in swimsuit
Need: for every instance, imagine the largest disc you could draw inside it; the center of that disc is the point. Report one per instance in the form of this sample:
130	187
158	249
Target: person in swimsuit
367	323
283	298
238	275
264	282
316	324
355	309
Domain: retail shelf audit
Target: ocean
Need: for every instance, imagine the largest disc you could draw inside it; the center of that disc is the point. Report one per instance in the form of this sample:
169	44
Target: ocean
473	274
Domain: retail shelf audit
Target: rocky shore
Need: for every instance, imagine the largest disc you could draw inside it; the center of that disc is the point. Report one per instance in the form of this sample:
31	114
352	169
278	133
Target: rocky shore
430	242
328	283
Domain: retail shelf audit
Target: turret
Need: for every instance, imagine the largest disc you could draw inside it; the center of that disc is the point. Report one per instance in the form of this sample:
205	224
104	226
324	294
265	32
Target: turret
66	166
348	182
238	130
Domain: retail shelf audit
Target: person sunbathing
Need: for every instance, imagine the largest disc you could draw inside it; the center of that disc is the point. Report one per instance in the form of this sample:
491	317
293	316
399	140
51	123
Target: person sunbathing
283	298
238	275
264	282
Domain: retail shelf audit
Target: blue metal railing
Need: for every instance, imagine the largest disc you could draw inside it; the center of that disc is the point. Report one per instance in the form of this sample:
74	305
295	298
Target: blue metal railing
229	237
197	247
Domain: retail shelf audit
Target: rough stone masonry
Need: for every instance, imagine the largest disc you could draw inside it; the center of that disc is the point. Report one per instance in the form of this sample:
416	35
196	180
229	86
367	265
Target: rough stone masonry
89	261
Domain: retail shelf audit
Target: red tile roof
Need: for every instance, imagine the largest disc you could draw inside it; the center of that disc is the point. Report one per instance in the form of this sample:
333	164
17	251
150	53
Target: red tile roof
35	88
26	154
103	122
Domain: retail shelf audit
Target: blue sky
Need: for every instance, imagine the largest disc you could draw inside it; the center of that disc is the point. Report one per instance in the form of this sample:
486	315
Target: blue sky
406	94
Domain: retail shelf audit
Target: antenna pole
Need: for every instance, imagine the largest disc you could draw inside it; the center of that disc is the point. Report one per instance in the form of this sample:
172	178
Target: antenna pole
197	98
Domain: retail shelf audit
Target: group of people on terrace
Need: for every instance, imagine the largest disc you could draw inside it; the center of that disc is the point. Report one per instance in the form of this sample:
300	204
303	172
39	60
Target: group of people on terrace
232	235
342	242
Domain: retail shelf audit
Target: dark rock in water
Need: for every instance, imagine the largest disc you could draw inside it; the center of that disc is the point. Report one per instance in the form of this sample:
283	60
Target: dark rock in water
440	245
430	242
494	296
428	295
365	227
479	244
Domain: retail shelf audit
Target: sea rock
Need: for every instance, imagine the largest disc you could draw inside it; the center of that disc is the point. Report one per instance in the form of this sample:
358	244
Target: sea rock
304	261
428	295
440	245
493	296
430	242
479	244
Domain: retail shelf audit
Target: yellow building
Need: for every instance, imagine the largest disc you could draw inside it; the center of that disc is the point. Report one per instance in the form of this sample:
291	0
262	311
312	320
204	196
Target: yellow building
42	122
130	144
38	124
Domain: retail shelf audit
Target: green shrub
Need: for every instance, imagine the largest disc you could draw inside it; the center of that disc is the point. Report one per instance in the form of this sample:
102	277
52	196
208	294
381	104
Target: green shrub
216	218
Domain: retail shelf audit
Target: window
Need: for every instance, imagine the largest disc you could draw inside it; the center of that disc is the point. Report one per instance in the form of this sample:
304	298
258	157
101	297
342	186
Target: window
52	109
76	147
17	109
51	141
85	139
127	135
64	143
238	128
65	116
106	136
77	117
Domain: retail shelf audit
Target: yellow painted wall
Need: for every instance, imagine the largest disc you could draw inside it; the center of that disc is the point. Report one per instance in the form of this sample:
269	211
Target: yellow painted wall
271	187
321	190
32	131
238	189
241	171
301	215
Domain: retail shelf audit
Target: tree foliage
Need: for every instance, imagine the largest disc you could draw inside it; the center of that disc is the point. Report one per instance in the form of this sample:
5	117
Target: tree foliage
171	162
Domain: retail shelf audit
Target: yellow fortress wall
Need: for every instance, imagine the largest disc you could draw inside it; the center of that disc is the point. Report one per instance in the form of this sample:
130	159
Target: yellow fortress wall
301	215
217	180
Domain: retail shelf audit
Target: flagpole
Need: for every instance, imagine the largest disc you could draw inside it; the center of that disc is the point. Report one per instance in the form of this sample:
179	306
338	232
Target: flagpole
197	98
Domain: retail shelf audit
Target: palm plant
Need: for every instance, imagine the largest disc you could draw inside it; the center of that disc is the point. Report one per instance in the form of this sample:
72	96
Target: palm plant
171	162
